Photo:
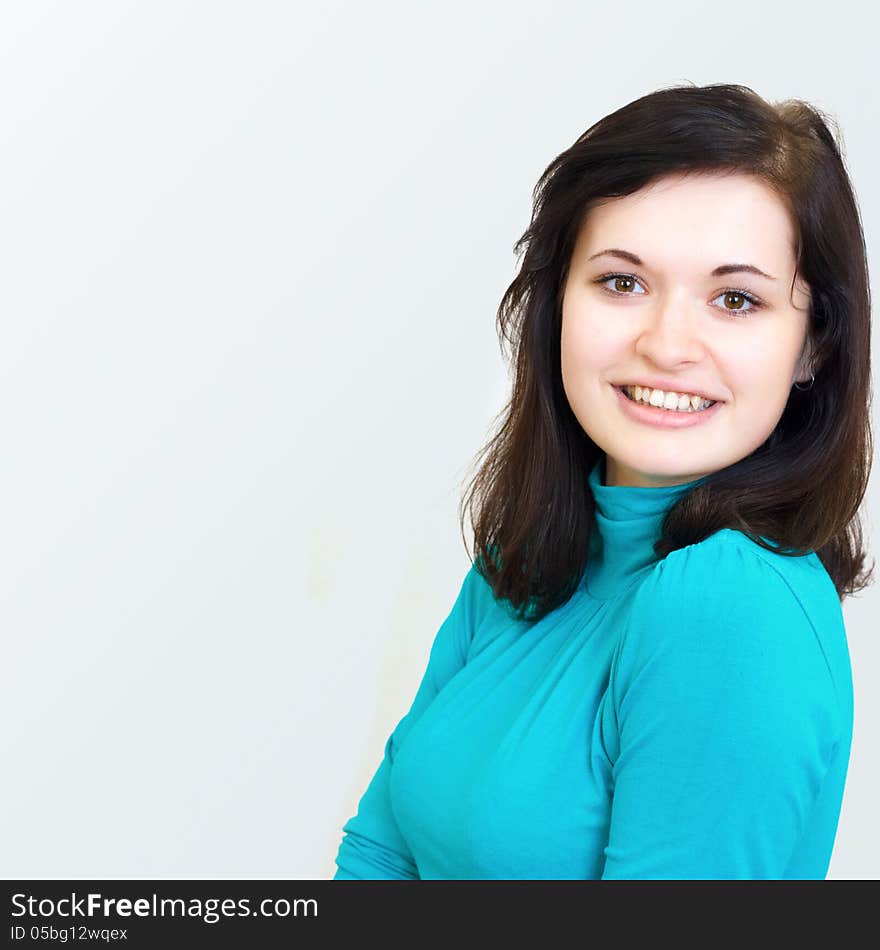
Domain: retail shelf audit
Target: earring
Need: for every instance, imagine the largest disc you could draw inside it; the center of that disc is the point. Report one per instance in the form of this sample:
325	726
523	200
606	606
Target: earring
803	389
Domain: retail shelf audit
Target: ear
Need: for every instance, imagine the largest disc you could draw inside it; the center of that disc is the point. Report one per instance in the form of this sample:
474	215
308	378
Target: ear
805	364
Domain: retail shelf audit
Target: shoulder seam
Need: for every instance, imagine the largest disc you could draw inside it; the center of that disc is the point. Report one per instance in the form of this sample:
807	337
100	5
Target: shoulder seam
751	548
809	619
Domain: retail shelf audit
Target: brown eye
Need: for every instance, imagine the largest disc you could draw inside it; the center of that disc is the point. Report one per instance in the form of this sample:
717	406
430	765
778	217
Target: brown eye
623	284
742	301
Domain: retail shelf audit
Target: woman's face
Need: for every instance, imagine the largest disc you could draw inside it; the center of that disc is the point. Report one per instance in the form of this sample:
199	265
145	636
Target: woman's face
675	325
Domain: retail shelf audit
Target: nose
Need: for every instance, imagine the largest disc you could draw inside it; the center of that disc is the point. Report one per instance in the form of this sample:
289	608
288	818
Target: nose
670	334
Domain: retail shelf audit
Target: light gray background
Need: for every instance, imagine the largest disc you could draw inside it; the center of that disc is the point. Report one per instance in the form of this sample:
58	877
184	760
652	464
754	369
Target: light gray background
251	255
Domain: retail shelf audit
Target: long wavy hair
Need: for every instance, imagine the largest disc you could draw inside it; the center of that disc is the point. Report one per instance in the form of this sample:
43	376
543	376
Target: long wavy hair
529	504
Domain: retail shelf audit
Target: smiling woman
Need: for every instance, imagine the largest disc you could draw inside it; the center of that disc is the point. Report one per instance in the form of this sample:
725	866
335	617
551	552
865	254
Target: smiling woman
646	673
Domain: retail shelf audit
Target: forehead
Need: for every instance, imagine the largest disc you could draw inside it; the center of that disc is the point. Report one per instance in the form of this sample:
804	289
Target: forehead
704	219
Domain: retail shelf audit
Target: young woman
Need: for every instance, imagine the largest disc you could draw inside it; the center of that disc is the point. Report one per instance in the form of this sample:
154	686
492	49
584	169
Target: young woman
645	673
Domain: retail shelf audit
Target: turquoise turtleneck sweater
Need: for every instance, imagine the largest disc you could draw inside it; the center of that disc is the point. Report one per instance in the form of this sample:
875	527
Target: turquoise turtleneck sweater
688	718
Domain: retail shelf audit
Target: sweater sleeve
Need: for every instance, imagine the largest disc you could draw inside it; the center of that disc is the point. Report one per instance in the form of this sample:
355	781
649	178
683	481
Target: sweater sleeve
372	845
726	718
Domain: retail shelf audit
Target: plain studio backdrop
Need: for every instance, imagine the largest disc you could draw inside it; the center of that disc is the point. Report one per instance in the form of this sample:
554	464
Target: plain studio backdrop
251	256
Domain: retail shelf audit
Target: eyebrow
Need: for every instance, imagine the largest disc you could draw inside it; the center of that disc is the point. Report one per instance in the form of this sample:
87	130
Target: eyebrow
719	271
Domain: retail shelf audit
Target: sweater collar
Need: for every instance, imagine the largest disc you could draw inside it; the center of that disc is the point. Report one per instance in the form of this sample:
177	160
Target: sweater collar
628	520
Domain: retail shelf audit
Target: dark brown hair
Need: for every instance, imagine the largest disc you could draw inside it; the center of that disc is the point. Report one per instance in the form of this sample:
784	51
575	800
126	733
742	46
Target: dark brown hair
801	489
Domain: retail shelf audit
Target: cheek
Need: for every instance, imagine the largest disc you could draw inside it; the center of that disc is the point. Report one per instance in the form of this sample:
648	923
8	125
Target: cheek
759	375
587	347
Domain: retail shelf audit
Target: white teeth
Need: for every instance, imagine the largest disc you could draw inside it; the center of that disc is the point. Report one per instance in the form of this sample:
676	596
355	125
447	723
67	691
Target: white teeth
676	402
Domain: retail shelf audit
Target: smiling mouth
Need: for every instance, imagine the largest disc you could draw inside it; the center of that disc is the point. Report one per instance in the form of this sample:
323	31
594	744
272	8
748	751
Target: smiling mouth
694	404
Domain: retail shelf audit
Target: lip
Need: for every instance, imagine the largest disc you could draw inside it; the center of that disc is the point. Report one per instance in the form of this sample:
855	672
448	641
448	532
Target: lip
664	418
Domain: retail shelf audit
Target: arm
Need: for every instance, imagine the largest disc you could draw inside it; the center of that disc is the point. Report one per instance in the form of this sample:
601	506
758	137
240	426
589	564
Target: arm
372	845
726	716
